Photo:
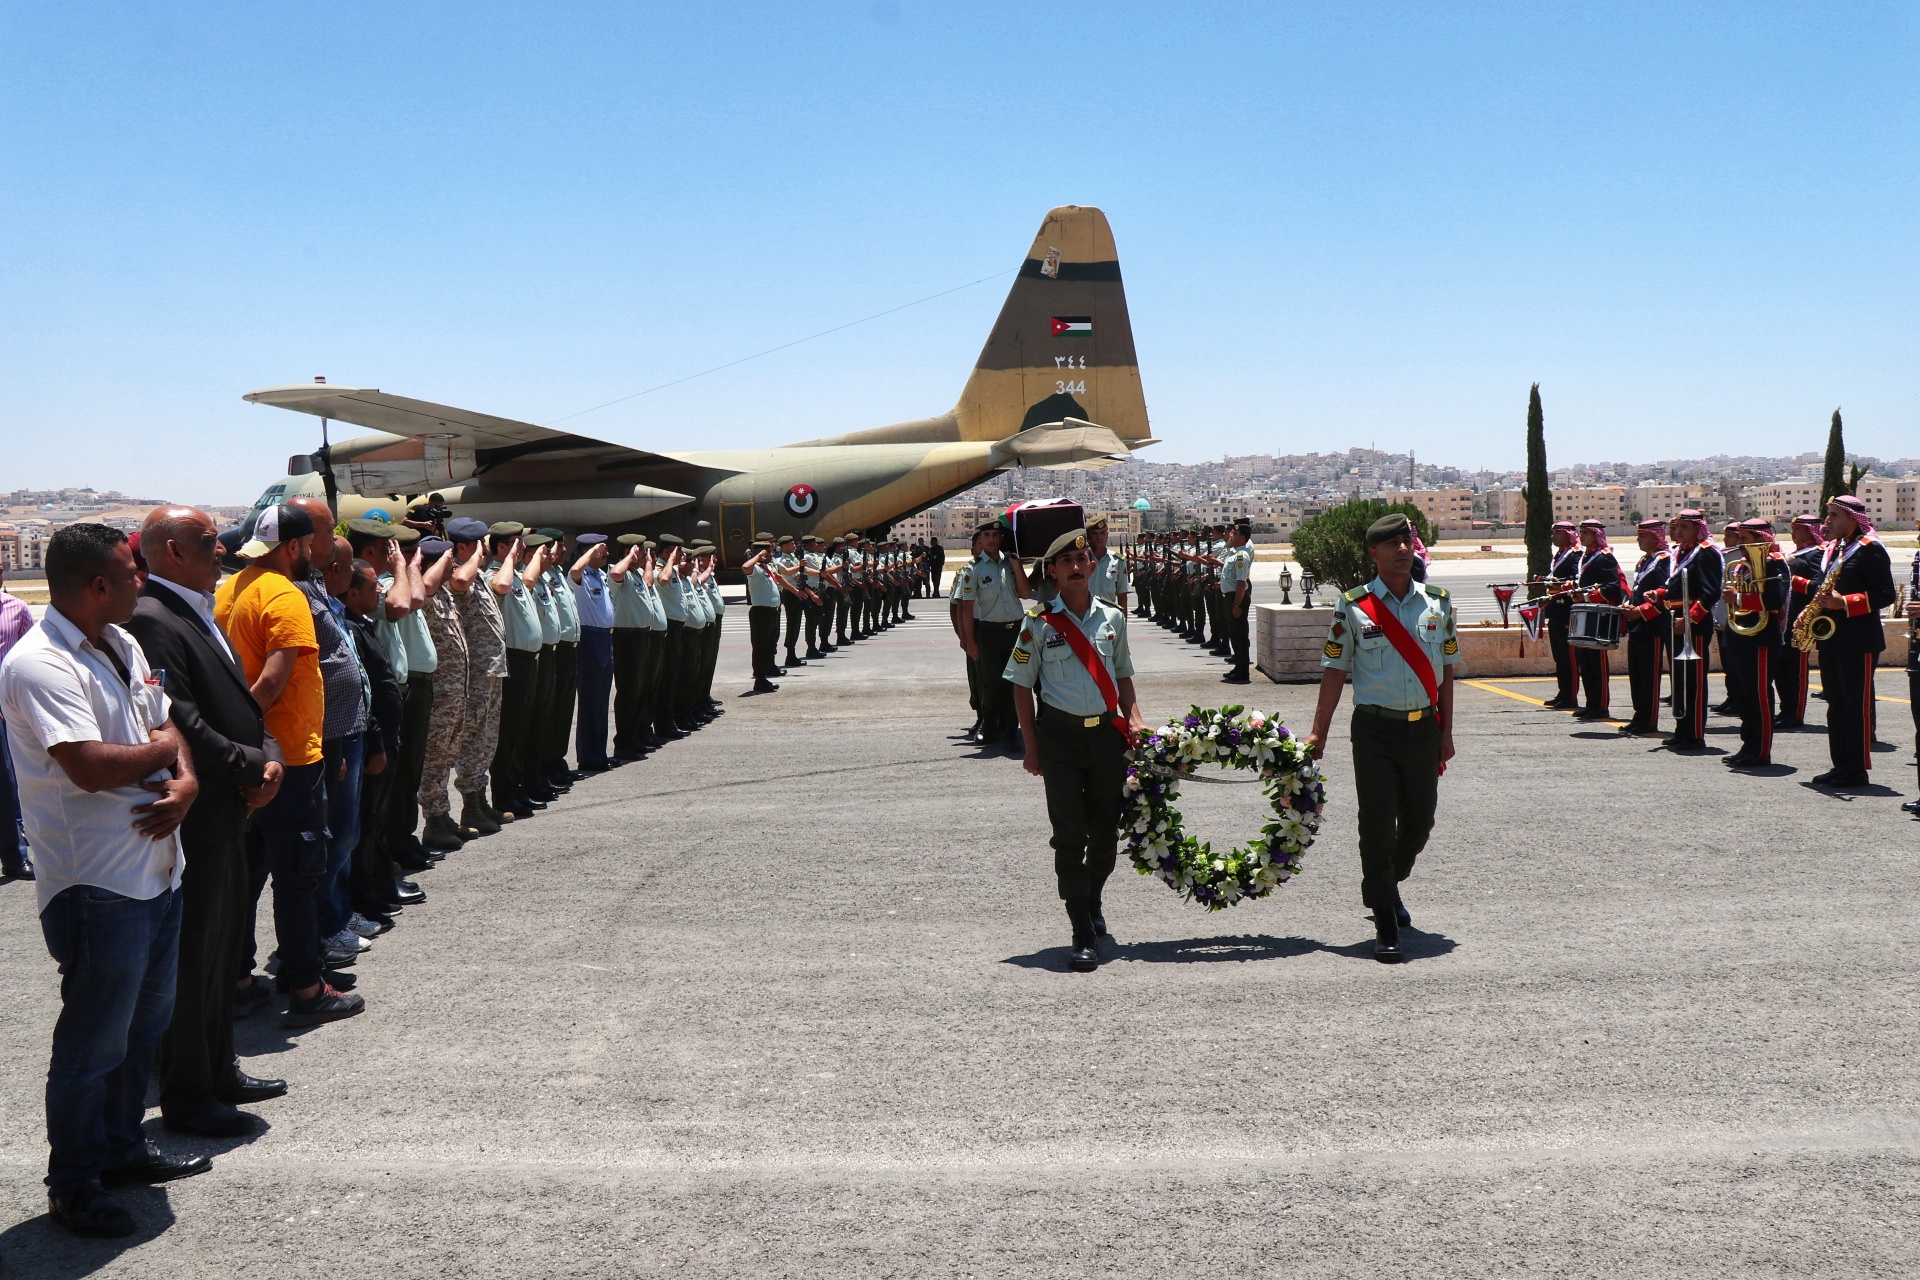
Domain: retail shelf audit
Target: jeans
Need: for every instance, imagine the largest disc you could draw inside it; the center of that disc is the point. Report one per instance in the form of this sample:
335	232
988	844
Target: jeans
289	842
343	830
117	958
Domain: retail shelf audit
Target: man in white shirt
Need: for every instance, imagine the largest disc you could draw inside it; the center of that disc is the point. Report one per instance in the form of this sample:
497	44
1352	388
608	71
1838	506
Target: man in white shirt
105	781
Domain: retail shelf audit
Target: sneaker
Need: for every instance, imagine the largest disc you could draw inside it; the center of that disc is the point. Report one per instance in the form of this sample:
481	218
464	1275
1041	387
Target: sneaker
324	1005
346	940
246	999
362	926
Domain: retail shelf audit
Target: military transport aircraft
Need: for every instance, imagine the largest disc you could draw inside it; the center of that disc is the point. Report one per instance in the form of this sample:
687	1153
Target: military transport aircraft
1057	385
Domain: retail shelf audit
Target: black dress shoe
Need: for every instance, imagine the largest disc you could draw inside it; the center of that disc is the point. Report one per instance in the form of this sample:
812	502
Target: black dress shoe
1911	806
1678	743
154	1165
1403	916
1236	677
407	893
541	794
1736	760
15	871
765	686
1842	778
213	1120
1083	955
1785	722
1386	942
243	1089
90	1211
794	660
338	980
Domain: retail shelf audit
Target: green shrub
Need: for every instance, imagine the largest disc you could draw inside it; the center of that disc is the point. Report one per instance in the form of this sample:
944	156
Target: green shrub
1333	547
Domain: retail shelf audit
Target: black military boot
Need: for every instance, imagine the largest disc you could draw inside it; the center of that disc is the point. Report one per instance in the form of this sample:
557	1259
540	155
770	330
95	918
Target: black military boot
1096	915
1085	956
474	817
440	834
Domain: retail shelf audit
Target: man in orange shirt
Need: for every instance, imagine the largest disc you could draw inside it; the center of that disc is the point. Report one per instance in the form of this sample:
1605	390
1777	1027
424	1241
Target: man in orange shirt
271	626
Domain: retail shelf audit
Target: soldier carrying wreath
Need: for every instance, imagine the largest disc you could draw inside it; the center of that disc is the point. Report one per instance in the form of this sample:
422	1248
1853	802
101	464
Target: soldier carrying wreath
1397	639
1075	648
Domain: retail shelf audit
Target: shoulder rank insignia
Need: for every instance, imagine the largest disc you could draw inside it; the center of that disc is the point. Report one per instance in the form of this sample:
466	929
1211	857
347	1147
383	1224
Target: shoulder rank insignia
1035	608
1452	646
1334	649
1354	594
1021	656
1438	593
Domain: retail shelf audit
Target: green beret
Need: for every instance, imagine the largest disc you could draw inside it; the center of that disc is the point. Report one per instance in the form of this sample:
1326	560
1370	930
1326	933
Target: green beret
506	529
373	528
671	540
535	539
405	534
631	539
1070	540
558	535
1392	525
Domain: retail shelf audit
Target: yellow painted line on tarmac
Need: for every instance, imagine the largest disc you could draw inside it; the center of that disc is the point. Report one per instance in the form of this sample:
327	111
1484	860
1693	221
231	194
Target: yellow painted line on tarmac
1878	697
1489	686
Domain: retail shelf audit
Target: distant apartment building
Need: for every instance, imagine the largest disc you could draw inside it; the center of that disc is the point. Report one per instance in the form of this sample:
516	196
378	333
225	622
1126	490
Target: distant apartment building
1608	503
1665	501
23	547
1443	508
1889	501
1782	501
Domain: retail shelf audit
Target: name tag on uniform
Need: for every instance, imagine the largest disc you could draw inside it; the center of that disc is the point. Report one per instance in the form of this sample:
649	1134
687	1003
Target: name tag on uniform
1055	640
1369	631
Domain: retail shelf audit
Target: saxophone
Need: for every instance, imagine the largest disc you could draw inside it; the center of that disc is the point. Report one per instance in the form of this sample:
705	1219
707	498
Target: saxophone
1814	625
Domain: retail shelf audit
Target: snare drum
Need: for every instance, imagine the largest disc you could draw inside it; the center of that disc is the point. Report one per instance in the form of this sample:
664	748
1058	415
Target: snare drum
1594	626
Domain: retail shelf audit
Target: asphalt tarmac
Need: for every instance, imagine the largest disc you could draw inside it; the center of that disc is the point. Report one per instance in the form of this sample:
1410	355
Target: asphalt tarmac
789	999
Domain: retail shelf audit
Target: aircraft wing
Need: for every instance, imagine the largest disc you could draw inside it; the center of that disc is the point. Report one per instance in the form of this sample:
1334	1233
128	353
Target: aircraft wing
490	441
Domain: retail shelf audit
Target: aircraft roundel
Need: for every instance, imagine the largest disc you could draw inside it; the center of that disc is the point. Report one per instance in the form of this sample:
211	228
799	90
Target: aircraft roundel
800	500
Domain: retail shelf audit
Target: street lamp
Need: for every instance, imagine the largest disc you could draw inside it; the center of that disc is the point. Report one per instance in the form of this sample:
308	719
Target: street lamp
1307	585
1286	585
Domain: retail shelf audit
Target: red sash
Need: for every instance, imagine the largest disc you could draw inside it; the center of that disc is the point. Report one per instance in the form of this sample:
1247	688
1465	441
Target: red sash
1404	643
1083	649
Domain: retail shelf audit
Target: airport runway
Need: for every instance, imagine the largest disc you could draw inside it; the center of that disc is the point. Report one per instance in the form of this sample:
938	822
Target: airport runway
788	1000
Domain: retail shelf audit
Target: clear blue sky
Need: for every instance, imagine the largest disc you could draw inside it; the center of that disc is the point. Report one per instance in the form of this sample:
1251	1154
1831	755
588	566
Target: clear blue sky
1693	225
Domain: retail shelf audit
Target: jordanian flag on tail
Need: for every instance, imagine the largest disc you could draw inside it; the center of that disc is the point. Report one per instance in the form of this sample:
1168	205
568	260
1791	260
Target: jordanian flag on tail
1073	326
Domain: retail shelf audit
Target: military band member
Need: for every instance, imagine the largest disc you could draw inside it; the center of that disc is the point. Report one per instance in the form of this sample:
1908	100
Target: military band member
1747	658
1646	625
1079	737
1562	569
992	602
1862	587
1397	639
1793	666
1597	580
1693	587
1236	589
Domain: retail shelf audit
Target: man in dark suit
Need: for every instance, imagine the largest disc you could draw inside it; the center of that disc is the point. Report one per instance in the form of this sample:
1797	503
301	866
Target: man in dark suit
200	1078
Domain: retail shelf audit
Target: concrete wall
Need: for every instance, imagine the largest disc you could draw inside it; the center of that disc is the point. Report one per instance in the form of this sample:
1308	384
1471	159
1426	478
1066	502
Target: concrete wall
1288	641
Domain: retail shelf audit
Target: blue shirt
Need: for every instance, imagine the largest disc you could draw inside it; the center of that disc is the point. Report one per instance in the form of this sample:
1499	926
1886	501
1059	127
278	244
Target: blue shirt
592	600
1381	677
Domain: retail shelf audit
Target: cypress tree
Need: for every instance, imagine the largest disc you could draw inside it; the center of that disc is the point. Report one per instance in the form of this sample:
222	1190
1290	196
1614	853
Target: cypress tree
1539	491
1833	478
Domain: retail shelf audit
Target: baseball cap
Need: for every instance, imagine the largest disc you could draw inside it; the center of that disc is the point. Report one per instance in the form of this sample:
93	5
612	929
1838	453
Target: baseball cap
275	525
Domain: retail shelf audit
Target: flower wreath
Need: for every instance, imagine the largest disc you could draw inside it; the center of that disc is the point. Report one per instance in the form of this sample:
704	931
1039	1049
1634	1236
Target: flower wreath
1238	739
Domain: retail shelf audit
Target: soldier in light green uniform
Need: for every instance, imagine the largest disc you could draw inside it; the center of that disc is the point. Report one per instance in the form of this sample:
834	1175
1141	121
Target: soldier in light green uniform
1236	600
992	601
1073	741
1401	737
566	665
961	577
763	613
1109	581
506	576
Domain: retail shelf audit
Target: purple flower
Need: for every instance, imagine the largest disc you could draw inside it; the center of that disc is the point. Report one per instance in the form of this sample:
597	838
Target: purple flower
1284	735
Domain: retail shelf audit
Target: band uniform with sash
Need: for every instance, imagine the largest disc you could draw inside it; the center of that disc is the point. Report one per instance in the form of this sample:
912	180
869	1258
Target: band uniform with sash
1759	601
1691	590
1862	576
1563	569
1792	666
1396	727
1647	628
1597	580
1077	663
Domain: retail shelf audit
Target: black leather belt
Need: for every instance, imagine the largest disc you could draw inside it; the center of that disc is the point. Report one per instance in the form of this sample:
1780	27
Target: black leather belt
1388	713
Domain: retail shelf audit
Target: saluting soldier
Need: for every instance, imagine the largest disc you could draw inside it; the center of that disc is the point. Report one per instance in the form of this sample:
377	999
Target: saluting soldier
535	753
793	599
1396	638
506	578
992	601
673	657
1562	569
1598	580
1862	587
1236	590
763	613
1746	657
1792	666
566	663
593	606
627	590
1075	650
1647	628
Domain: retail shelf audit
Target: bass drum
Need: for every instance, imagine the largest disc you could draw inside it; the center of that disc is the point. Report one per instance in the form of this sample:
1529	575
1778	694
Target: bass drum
1594	626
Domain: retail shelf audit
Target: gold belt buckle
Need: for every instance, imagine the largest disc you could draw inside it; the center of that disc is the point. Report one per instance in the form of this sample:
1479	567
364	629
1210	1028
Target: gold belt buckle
1415	715
1089	722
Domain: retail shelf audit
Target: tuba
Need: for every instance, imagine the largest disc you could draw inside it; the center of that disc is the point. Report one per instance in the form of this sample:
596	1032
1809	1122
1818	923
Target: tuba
1747	575
1813	625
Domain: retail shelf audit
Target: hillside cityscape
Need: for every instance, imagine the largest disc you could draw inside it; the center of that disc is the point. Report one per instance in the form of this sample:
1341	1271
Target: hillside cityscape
1273	491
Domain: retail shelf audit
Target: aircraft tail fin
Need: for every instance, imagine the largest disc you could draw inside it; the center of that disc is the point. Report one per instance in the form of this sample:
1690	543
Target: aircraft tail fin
1063	345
